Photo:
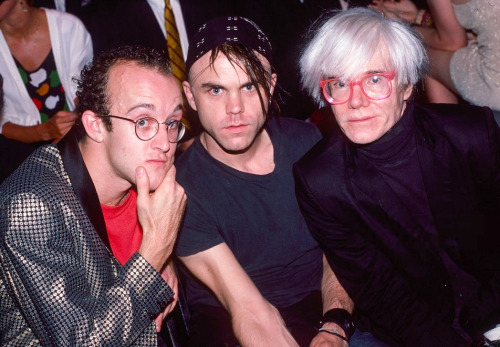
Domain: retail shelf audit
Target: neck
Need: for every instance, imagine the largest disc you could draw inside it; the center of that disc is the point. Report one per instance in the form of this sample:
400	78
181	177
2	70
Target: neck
257	159
110	190
21	21
398	140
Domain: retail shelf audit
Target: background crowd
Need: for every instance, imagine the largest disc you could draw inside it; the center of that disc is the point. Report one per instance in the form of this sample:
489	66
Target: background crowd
43	50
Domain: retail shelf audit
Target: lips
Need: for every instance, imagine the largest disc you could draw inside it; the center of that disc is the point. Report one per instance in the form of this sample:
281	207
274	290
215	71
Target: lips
360	120
157	162
235	128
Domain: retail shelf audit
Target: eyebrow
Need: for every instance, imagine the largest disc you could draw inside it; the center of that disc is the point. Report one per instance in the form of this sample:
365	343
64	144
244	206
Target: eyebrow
365	73
146	106
375	71
210	85
179	107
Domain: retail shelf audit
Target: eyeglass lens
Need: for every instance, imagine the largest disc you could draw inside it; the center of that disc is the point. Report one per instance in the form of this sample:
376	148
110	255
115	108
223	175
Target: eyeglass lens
374	86
147	128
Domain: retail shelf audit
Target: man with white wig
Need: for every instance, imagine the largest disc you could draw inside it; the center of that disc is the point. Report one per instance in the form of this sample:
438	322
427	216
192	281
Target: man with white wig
405	197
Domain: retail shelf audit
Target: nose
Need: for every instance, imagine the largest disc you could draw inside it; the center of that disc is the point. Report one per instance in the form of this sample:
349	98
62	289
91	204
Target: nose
160	140
235	104
358	98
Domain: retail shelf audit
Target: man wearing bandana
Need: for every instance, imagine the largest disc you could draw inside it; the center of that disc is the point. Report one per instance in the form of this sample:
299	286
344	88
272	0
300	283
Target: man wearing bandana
255	273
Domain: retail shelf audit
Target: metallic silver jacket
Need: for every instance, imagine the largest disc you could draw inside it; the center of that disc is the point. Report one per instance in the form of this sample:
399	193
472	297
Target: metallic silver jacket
59	283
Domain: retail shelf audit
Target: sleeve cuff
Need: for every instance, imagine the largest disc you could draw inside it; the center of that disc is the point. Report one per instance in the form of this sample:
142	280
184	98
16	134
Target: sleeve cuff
148	285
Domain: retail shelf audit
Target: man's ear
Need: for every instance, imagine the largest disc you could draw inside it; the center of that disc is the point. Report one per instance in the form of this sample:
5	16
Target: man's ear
93	126
274	78
407	92
189	94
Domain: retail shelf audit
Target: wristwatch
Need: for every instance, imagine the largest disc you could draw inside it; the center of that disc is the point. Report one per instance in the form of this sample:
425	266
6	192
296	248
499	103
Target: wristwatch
340	317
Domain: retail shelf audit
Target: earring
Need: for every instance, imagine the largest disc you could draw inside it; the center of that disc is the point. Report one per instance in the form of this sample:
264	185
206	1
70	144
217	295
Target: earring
24	7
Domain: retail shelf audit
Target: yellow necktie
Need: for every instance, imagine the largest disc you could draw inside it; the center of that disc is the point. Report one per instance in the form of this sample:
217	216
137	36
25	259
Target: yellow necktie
174	44
175	53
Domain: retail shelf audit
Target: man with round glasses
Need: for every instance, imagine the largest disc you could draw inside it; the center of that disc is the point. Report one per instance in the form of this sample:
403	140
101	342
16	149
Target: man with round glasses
405	197
88	225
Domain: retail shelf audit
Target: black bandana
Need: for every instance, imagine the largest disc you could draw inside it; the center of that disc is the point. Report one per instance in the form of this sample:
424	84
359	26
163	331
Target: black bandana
231	30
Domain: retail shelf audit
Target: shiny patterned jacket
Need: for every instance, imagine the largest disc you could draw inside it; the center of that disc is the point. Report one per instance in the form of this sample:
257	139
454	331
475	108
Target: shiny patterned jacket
59	283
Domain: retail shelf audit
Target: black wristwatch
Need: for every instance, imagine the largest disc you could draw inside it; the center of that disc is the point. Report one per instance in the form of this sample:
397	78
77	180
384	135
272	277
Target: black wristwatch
340	317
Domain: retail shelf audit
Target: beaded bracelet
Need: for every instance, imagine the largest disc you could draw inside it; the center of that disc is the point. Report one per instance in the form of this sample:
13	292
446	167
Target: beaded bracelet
426	19
423	18
418	17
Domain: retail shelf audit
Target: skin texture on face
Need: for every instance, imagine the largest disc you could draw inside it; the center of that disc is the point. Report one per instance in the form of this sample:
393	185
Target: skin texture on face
363	120
228	105
136	92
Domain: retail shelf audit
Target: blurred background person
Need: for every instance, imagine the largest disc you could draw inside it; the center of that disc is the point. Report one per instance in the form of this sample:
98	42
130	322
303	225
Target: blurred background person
463	45
112	23
41	50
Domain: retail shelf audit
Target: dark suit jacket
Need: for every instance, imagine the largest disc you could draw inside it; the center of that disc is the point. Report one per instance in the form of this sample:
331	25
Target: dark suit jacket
59	282
114	23
389	266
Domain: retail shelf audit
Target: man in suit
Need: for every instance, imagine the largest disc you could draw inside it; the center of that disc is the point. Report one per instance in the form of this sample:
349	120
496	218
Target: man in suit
105	194
405	197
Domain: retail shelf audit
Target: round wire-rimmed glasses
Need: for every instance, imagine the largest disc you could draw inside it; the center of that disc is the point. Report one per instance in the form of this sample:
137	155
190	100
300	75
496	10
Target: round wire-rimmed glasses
147	127
376	86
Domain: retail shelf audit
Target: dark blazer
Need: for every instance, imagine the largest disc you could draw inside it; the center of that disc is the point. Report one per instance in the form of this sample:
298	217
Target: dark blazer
389	266
59	282
114	23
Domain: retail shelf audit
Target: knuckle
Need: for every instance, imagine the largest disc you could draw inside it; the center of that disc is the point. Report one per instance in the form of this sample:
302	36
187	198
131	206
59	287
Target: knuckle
181	190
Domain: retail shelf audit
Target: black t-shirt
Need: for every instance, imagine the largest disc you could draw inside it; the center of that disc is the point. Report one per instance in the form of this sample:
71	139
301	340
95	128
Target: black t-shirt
257	216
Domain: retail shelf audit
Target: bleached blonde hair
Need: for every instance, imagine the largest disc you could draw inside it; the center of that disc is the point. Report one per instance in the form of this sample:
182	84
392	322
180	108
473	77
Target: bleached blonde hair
345	42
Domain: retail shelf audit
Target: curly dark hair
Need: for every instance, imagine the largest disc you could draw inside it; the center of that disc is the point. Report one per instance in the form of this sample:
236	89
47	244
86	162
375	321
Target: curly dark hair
246	58
93	80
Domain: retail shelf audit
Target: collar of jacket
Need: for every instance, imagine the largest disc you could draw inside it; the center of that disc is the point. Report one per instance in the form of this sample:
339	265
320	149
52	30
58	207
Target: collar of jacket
82	183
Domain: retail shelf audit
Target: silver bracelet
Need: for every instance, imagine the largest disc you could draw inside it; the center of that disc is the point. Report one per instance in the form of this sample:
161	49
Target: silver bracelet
334	332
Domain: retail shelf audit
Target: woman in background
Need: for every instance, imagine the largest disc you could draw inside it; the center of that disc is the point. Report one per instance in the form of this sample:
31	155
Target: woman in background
466	65
41	50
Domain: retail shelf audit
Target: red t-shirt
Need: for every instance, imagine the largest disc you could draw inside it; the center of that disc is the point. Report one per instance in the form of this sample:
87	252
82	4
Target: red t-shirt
124	230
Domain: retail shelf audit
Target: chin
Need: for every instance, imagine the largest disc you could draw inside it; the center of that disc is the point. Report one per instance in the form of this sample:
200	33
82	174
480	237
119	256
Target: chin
154	184
156	177
362	136
241	143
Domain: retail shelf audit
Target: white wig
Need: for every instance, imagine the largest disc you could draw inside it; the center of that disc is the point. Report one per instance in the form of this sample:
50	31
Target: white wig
346	41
